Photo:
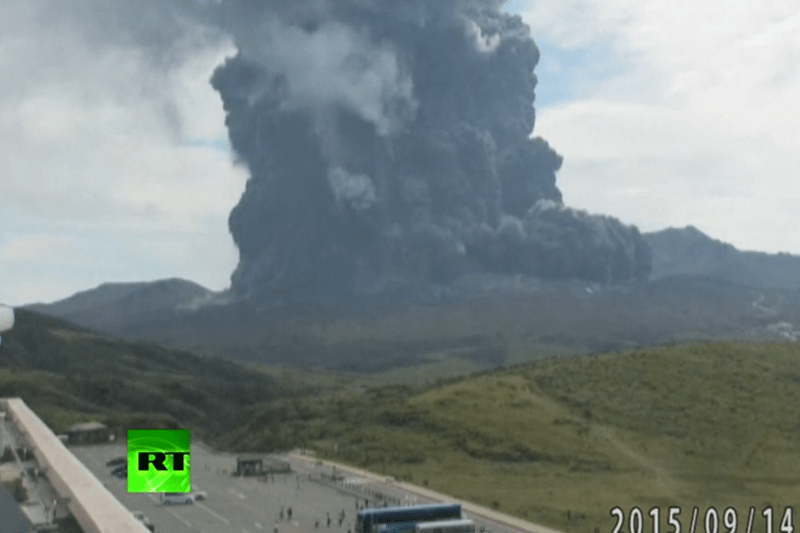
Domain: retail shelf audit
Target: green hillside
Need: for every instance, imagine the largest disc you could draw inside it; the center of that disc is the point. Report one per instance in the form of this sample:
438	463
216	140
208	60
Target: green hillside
688	425
69	374
696	425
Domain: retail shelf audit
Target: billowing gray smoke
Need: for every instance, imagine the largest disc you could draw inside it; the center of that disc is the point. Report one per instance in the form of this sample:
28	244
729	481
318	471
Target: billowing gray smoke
389	142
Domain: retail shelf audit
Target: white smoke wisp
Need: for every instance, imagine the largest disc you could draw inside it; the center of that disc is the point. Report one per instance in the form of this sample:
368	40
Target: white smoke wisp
354	190
512	229
335	66
545	204
486	43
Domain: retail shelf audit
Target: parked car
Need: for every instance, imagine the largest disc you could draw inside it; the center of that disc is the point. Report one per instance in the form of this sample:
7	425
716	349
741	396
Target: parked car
198	494
170	498
116	461
144	520
120	471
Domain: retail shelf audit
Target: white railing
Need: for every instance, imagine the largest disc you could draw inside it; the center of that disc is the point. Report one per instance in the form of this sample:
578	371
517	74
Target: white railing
92	505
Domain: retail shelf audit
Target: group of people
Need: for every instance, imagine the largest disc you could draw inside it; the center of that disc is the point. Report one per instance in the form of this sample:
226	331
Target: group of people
288	515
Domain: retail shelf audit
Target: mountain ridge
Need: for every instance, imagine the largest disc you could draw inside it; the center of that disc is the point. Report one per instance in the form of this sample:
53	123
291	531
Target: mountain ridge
688	251
701	289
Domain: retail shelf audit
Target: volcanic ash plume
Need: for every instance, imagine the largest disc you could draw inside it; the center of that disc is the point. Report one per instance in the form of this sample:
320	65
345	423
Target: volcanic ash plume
389	142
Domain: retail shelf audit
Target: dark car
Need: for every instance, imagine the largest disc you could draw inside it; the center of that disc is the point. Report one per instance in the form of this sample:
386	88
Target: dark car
117	461
120	471
198	494
144	520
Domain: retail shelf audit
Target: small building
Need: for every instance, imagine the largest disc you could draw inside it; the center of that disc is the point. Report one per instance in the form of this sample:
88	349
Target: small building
273	465
249	465
87	433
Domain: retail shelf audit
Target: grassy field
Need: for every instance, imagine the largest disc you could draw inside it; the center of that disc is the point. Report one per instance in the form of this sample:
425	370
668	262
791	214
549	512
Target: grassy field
696	425
68	374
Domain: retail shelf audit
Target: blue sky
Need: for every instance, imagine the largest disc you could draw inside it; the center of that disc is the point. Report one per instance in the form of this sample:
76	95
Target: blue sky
563	72
667	114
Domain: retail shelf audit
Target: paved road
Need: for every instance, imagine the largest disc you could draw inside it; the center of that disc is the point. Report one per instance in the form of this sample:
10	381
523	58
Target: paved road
240	505
406	493
245	505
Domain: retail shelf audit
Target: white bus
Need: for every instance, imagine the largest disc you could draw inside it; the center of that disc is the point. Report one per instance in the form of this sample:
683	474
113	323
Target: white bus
446	526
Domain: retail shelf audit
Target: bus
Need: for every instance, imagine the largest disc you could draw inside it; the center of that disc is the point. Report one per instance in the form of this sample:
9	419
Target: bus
446	526
404	519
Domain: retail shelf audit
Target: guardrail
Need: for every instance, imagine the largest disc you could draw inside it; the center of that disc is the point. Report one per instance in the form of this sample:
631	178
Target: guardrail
360	489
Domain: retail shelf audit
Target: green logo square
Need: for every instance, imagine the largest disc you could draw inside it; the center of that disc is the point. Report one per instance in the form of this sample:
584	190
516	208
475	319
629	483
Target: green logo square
158	460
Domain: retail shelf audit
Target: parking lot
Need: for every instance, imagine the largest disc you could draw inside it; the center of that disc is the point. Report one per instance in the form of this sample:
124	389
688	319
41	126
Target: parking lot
233	504
253	505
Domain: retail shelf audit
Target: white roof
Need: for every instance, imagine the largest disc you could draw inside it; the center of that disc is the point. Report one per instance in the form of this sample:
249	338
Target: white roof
444	523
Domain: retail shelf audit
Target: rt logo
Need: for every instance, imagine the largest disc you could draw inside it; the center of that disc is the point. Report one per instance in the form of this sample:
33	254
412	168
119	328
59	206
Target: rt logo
159	460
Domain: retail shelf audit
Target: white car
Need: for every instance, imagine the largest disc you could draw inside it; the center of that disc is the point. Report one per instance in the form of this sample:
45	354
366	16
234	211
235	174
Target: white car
179	498
198	494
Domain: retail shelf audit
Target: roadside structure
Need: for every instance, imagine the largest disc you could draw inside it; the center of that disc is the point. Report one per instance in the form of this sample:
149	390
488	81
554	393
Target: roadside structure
249	465
87	433
92	505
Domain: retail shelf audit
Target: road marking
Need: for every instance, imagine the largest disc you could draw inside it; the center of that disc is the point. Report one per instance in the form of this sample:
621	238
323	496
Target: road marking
188	524
259	526
245	531
237	494
222	518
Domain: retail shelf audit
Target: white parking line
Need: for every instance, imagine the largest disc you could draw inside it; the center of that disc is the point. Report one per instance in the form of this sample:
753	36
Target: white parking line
237	494
259	526
188	524
222	518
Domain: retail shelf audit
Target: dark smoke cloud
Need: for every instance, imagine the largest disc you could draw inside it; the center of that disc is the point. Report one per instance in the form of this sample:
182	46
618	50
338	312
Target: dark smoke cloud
388	141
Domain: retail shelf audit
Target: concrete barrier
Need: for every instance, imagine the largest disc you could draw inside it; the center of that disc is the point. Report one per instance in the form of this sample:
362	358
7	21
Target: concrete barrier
94	507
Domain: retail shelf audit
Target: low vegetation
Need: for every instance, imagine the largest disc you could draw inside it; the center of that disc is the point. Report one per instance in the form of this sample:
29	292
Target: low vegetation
68	374
562	442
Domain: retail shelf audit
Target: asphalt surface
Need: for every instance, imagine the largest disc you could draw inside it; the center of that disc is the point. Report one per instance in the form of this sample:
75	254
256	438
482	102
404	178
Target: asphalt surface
233	504
249	505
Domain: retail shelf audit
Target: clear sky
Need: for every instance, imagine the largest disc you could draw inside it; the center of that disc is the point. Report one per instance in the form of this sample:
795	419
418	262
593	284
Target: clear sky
667	113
